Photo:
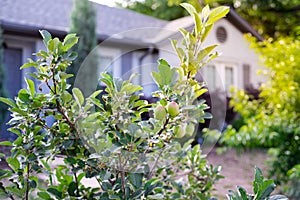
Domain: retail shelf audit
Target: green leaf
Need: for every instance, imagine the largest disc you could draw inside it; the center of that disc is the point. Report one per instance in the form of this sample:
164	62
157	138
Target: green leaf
157	78
55	192
44	195
200	92
70	160
8	101
13	163
189	8
80	176
183	32
69	41
6	143
217	14
165	75
71	189
95	94
78	96
46	36
53	44
205	12
32	183
4	174
130	88
207	30
66	97
156	196
267	188
18	141
23	95
15	131
242	192
107	79
136	179
278	197
29	64
179	51
32	157
30	86
64	75
198	24
16	191
258	180
204	52
72	56
21	112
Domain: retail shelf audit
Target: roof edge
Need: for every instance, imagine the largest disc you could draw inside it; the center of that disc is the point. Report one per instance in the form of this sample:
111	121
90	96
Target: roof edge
241	24
33	31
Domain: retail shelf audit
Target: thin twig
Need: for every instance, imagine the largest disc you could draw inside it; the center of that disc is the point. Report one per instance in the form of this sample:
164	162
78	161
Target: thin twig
27	181
122	176
76	182
7	193
48	85
154	166
58	105
164	127
99	182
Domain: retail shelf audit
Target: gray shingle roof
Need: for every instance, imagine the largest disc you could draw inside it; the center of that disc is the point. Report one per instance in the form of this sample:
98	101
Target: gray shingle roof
28	16
55	15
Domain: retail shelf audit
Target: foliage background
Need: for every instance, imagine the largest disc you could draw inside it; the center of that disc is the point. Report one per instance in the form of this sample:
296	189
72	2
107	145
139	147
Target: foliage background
83	24
271	18
273	120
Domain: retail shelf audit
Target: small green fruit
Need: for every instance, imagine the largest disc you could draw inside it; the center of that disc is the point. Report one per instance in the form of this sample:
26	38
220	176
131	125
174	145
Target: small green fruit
160	112
189	130
179	131
173	109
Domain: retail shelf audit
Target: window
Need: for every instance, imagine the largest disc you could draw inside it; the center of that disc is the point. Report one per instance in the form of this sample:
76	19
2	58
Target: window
110	61
211	77
229	78
106	63
246	75
220	76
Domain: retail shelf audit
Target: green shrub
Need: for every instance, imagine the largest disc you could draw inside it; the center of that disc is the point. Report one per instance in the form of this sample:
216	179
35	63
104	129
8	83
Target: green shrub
83	24
294	180
273	120
107	140
262	190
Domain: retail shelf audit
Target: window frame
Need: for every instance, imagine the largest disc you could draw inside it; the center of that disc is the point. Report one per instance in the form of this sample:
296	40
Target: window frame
116	63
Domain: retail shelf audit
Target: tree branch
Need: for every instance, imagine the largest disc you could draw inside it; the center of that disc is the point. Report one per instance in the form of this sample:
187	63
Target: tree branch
58	105
27	182
164	127
154	166
122	176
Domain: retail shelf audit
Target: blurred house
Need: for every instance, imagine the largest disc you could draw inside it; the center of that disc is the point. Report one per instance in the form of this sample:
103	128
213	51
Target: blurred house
129	42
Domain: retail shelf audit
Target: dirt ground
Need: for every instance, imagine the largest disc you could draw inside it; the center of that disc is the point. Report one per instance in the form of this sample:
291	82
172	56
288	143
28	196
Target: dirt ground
237	169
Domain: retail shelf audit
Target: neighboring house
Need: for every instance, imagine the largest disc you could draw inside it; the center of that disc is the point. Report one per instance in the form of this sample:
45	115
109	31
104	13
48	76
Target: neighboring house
132	42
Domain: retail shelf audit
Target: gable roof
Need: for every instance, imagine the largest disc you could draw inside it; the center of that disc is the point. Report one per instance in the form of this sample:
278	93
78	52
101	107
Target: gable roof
28	16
